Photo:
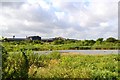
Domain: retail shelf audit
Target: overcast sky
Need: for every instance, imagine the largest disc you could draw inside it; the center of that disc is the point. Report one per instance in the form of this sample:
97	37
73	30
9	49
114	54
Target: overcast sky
78	19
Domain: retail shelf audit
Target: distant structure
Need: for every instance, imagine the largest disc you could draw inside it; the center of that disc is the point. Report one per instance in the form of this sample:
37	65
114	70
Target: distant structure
13	37
52	39
33	38
58	38
23	39
48	40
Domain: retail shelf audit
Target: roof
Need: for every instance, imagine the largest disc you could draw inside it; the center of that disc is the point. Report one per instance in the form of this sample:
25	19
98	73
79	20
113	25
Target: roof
15	39
32	36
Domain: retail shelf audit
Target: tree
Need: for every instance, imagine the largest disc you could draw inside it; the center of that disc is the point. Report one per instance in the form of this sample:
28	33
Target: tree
91	42
56	42
100	40
111	39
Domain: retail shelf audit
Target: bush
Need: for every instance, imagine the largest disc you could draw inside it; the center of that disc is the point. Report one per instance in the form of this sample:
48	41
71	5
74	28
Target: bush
16	66
104	74
4	61
54	55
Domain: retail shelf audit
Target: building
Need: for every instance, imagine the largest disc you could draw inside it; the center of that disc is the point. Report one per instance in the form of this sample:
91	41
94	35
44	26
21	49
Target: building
14	39
22	39
48	40
33	38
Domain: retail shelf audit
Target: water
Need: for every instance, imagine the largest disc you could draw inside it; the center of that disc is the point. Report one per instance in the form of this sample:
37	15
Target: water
82	51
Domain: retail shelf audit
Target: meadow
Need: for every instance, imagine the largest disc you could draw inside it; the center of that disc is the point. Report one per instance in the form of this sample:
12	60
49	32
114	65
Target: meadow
56	66
27	65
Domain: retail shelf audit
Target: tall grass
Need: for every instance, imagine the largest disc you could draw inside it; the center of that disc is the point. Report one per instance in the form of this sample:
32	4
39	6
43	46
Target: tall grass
27	64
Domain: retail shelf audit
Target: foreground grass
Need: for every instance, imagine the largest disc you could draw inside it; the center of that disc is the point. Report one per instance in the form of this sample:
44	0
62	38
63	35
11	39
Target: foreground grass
78	66
56	65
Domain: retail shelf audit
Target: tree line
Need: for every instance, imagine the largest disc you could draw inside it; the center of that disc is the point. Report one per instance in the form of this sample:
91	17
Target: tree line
63	44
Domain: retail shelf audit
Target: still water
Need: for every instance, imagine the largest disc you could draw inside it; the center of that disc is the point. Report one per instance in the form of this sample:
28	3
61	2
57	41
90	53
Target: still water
82	51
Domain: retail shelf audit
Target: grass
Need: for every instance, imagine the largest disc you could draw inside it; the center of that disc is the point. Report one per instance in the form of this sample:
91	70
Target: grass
78	66
56	65
26	64
16	46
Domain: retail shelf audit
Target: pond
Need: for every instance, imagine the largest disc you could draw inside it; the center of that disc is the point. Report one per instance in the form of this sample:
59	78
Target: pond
82	51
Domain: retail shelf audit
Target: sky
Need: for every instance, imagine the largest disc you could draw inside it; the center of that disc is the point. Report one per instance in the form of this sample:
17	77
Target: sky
76	19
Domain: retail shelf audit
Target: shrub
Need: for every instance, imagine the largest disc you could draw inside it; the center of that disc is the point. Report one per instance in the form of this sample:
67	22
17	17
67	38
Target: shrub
54	55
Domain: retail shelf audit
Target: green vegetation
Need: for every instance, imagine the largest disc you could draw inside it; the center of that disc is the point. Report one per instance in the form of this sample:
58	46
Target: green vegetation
56	65
63	44
20	61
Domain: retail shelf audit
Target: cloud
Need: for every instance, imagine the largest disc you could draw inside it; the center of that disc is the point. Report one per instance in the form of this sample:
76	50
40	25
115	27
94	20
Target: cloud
87	19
